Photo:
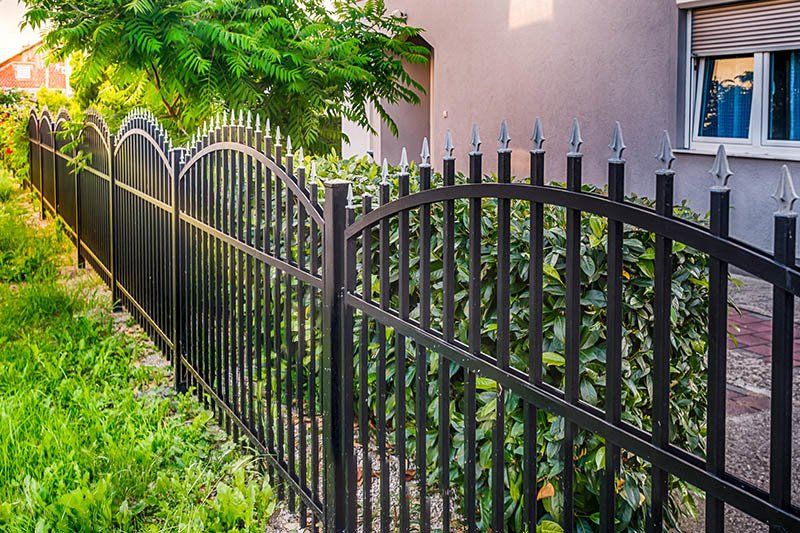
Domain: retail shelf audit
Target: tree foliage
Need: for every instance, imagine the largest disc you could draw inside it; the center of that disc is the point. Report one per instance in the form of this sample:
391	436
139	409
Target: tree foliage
303	64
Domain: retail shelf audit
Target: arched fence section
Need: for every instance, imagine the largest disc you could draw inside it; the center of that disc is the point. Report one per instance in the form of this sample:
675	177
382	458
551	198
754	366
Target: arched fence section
366	350
48	167
142	207
94	216
250	233
65	179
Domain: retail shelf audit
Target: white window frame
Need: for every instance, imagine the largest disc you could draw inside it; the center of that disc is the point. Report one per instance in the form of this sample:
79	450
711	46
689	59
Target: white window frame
19	68
757	144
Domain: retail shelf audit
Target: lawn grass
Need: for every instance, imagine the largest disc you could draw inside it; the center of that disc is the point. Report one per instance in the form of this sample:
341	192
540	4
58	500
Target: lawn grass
90	440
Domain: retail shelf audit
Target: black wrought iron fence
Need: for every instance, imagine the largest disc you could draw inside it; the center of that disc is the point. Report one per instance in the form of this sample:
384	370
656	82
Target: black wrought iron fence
282	310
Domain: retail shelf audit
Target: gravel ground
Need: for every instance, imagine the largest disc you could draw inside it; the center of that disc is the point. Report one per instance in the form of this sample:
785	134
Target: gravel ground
747	451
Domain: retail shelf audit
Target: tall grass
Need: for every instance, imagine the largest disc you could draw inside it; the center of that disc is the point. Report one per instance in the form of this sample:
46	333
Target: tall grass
89	440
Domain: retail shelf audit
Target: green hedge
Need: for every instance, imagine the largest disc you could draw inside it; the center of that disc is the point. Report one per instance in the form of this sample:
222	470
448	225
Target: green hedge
688	365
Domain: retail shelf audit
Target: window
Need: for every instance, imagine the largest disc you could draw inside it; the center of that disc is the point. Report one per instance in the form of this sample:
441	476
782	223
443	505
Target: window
784	96
743	78
22	72
727	98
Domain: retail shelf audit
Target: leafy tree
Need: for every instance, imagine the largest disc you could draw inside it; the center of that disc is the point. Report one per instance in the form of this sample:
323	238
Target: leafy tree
304	63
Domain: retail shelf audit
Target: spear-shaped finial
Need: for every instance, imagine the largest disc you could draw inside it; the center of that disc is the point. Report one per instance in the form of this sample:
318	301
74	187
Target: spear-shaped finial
268	127
258	122
721	170
301	160
617	145
575	140
277	136
404	161
785	195
538	135
350	204
448	144
475	139
233	118
385	172
224	119
217	120
504	139
425	154
289	145
241	117
249	119
314	177
665	155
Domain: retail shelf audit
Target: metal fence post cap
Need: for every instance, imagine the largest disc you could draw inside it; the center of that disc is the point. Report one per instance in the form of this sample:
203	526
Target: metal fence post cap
575	139
665	156
721	170
785	195
617	144
335	183
537	136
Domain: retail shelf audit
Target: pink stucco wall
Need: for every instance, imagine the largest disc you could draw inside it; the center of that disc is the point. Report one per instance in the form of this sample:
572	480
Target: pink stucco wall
598	60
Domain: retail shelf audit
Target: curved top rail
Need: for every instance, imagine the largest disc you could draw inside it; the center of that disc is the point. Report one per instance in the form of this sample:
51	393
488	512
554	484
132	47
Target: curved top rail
146	121
46	113
93	117
760	265
62	115
314	210
160	149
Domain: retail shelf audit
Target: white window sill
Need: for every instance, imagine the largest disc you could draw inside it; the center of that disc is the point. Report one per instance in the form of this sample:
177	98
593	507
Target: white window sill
741	154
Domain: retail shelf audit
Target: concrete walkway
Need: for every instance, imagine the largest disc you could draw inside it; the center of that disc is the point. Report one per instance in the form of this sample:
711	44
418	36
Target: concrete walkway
748	398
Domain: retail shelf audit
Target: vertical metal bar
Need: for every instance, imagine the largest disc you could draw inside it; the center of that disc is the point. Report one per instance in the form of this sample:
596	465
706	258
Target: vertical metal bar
614	303
572	334
382	341
448	329
661	347
177	305
503	334
535	286
338	457
81	261
780	469
301	341
348	372
312	370
717	356
288	332
363	367
112	193
400	353
474	341
258	282
421	352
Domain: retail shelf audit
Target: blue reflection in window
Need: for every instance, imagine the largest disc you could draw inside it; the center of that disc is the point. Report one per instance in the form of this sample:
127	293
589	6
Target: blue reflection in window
784	96
727	97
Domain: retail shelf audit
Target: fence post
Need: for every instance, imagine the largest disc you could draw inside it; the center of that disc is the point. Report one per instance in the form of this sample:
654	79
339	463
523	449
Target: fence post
80	259
180	375
41	172
338	455
112	227
780	493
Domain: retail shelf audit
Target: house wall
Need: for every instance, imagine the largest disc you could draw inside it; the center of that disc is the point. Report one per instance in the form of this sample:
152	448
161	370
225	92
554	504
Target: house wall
597	60
52	76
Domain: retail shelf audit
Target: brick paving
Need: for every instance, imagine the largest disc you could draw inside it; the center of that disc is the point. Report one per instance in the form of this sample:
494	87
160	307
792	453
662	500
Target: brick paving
752	332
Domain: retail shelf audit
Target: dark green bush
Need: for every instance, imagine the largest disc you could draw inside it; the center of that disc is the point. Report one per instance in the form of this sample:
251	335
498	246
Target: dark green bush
688	320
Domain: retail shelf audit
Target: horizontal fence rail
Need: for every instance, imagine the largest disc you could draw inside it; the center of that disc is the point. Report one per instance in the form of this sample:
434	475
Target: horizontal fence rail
364	346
